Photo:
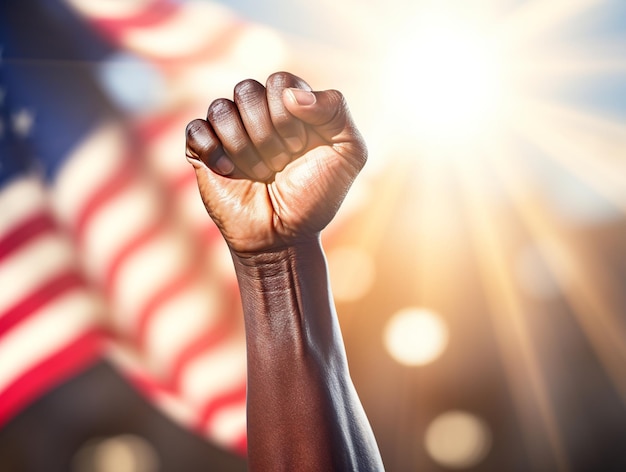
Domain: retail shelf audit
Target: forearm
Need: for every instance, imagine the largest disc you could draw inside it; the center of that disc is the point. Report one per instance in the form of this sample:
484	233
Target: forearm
303	412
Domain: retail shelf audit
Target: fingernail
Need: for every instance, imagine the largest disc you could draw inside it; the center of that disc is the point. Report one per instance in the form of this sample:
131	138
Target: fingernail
294	143
302	97
224	165
280	161
261	171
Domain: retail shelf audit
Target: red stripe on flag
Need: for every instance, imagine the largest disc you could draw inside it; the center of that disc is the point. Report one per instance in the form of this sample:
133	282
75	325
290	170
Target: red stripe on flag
72	359
117	183
200	345
26	230
53	288
241	445
183	180
236	395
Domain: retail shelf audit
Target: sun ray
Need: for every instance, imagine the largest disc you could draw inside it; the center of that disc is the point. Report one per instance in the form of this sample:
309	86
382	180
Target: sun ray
580	61
586	284
589	147
367	233
389	193
551	68
512	333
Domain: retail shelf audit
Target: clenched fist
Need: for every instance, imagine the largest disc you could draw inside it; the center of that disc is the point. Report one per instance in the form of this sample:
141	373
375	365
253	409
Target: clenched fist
274	164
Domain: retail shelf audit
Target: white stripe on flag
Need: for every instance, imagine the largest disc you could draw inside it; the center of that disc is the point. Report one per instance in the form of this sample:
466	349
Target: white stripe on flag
178	322
20	199
228	426
33	264
115	223
94	161
50	329
214	372
144	273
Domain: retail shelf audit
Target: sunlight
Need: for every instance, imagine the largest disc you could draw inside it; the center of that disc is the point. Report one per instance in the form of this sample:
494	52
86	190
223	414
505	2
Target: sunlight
595	158
586	283
491	107
452	79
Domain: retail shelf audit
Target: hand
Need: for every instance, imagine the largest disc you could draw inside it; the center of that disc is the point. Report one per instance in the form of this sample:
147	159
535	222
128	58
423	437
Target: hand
274	165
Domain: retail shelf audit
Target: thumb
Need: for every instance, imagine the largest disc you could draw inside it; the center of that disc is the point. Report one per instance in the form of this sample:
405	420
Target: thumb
326	111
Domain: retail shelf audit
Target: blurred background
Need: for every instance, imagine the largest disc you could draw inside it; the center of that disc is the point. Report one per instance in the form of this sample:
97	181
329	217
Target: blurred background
478	264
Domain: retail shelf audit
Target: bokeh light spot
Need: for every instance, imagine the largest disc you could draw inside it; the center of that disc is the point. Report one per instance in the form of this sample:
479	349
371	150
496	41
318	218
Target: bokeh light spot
415	336
123	453
458	440
134	84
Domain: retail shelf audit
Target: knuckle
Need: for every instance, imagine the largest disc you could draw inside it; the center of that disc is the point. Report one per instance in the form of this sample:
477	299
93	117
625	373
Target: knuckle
283	79
193	130
278	79
247	89
249	95
198	139
337	103
362	152
363	157
338	115
337	98
220	110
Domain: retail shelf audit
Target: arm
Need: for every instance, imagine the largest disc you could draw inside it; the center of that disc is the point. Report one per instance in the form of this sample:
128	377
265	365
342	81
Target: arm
303	409
272	171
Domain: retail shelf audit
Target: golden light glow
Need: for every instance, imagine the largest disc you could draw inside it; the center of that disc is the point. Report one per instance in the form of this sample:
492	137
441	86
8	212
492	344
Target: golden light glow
352	272
259	51
415	336
474	80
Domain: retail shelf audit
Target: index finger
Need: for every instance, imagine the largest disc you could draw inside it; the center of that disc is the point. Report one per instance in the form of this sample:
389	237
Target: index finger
203	145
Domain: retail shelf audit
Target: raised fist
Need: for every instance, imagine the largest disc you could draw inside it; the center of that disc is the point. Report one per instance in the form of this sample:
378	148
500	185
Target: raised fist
274	164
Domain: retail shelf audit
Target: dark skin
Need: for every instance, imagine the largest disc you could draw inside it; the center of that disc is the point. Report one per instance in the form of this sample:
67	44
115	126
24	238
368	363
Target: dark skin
273	167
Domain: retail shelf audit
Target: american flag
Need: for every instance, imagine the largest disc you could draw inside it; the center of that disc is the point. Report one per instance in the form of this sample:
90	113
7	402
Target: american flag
106	254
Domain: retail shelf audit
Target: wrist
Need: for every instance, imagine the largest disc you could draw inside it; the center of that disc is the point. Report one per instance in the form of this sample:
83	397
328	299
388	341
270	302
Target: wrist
272	262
